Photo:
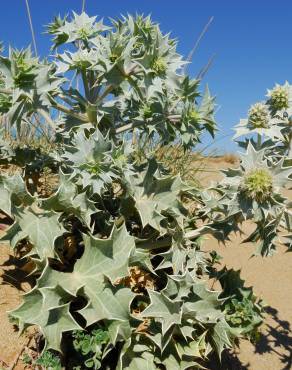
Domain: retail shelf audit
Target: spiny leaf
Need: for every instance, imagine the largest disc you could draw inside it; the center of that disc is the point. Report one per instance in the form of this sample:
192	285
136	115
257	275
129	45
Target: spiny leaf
163	309
68	200
222	335
42	231
59	321
155	197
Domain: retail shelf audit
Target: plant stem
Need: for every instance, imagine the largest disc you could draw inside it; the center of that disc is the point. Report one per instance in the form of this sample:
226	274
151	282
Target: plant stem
259	142
31	28
166	242
130	126
290	146
193	233
135	86
85	84
174	117
105	93
38	127
154	244
5	91
192	52
68	111
47	117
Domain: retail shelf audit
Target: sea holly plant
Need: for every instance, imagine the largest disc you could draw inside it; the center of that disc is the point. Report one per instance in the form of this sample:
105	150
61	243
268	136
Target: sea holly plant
121	276
257	190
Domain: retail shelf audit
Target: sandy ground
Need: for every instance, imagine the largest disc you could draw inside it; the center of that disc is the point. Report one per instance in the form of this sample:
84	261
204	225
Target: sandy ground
271	278
12	286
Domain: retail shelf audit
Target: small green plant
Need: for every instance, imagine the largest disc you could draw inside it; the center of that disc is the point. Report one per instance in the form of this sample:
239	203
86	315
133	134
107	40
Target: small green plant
47	361
91	346
242	308
116	243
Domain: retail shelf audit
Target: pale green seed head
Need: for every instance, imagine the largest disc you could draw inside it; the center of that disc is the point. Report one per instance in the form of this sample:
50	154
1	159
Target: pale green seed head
194	115
93	167
159	66
279	98
5	103
81	60
258	184
258	116
144	24
113	57
83	33
146	111
24	63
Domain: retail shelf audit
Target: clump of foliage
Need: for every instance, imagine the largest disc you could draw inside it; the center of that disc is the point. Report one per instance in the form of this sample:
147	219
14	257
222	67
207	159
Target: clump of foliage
90	347
114	245
47	360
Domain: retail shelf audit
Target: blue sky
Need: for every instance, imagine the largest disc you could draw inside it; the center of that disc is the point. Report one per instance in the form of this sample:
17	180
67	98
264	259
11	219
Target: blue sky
251	40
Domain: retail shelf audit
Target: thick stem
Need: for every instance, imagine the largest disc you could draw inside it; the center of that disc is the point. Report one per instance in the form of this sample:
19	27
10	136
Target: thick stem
174	117
5	91
166	242
68	111
85	84
193	233
135	86
154	244
259	142
130	126
290	147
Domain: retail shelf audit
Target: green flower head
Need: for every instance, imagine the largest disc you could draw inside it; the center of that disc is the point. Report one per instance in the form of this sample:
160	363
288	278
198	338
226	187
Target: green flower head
5	103
159	66
146	111
145	24
279	97
24	67
83	33
258	116
194	115
258	184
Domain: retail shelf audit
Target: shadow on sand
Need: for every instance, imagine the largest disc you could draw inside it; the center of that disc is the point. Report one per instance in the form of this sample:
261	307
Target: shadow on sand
277	340
16	272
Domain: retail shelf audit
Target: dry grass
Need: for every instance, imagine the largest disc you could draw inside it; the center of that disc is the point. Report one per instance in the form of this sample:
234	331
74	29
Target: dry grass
190	165
230	158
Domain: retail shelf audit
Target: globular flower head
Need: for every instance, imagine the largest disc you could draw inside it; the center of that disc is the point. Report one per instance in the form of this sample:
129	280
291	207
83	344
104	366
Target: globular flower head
255	187
159	66
257	184
5	103
279	97
258	116
146	111
144	24
24	68
194	115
